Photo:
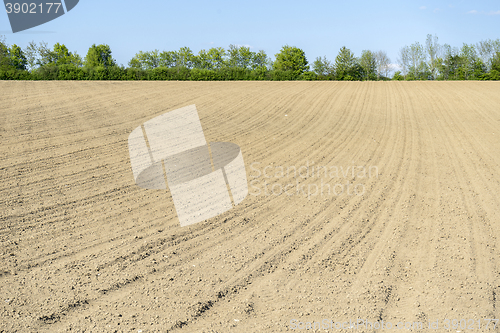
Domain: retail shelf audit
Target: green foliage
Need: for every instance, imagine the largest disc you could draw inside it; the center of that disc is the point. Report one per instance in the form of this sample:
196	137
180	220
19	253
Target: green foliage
369	65
417	59
323	67
239	57
216	57
432	61
62	56
404	60
44	56
280	75
202	61
493	75
4	55
397	76
383	64
468	57
14	74
495	62
433	49
260	73
479	70
308	76
31	54
46	73
17	58
413	60
173	73
185	58
211	59
146	60
260	61
168	58
346	66
202	75
463	64
245	57
99	56
70	72
291	59
233	74
134	74
421	72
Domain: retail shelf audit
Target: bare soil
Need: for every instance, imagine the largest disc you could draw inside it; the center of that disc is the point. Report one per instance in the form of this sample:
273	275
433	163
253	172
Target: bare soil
84	249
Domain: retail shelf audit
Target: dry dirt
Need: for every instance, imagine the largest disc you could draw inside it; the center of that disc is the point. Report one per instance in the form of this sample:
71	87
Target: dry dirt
85	249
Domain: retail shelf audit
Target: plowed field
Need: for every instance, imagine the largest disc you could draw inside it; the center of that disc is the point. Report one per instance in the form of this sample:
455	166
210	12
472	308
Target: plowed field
375	201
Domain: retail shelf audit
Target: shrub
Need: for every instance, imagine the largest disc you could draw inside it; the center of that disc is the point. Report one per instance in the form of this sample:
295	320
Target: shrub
398	77
493	75
279	75
14	74
308	76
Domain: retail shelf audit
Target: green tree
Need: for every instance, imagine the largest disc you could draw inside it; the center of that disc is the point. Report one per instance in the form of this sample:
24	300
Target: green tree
216	57
42	55
397	76
486	50
239	57
495	62
245	57
31	53
291	59
62	56
184	58
449	69
448	65
211	59
134	62
146	60
17	57
45	55
4	54
494	73
168	58
479	71
99	55
404	60
346	66
233	56
468	61
433	49
322	66
368	63
260	60
416	57
202	60
383	64
423	72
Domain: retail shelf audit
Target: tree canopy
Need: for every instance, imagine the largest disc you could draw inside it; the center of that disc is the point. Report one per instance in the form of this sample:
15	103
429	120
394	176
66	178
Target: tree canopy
428	61
291	59
99	55
346	66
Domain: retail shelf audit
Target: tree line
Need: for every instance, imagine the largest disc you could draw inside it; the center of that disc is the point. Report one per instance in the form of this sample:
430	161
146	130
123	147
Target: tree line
431	61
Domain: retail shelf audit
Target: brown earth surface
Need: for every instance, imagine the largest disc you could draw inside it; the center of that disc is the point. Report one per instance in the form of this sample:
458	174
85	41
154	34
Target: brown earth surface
85	249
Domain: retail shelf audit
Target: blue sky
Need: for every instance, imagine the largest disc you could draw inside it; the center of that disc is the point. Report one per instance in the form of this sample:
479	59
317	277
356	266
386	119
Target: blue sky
320	28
